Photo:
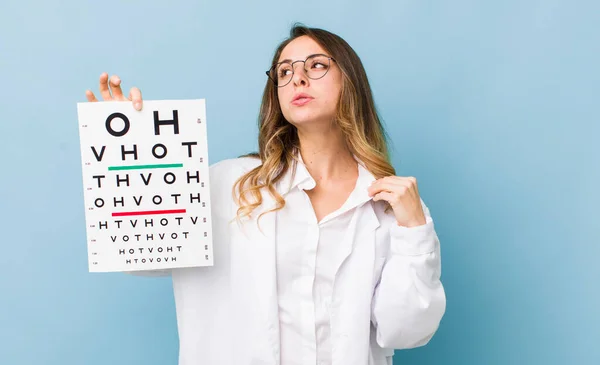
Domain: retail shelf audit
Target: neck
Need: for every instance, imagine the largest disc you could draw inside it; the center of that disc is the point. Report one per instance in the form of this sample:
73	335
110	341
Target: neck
326	155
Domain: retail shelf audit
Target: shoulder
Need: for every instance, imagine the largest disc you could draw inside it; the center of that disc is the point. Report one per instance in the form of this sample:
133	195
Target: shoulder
222	177
233	168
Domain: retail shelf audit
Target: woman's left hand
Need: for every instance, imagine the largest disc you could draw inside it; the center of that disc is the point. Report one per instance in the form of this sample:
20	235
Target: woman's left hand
402	194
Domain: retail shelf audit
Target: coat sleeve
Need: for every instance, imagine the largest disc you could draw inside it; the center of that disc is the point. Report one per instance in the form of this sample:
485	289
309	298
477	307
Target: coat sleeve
409	299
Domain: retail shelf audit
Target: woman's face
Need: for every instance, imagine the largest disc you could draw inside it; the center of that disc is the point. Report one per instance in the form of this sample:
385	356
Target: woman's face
304	100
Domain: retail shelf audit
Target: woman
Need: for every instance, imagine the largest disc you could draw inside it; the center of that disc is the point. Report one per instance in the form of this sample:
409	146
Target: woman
332	258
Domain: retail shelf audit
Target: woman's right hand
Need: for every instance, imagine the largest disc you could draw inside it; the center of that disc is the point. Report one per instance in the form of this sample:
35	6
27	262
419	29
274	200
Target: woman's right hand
111	91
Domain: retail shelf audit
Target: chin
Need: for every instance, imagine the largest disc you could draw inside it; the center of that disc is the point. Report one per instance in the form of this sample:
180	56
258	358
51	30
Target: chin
301	120
299	117
302	117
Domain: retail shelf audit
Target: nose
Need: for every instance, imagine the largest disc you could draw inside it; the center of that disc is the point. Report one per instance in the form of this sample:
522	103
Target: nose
300	77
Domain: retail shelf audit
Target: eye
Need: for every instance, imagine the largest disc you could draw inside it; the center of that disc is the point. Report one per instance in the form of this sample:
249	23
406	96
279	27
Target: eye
284	70
319	63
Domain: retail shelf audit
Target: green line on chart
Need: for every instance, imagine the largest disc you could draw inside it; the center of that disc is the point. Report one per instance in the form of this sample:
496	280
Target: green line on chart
139	167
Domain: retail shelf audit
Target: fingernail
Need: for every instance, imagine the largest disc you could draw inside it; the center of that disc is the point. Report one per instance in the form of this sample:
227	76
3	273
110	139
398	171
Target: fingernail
138	105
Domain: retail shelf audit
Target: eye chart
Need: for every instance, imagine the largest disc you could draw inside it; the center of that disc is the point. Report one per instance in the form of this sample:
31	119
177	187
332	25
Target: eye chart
145	185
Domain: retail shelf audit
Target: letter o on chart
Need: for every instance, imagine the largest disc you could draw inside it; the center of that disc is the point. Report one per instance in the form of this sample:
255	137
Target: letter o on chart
164	150
110	129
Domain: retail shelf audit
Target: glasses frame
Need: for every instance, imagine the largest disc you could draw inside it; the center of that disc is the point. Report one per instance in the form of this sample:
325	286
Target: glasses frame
275	66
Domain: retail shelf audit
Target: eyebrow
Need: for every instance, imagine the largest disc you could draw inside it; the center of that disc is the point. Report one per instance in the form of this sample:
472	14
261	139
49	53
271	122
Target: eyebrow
314	54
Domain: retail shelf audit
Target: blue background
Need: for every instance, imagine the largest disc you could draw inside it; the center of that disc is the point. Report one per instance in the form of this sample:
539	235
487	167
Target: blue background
493	106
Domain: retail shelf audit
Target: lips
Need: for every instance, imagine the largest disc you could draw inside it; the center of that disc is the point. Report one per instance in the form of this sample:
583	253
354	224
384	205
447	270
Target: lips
301	99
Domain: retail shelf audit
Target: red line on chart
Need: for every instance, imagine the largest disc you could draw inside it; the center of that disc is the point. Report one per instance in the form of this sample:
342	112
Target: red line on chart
149	212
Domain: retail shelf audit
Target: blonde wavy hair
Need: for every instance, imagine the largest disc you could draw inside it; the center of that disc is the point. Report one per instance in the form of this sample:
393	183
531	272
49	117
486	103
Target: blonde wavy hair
278	142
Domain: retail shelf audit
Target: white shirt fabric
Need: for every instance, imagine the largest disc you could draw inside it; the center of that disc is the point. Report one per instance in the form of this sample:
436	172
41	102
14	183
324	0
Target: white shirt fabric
387	292
308	253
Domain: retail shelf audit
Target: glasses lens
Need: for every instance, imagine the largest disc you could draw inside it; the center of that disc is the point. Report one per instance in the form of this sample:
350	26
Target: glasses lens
282	73
317	66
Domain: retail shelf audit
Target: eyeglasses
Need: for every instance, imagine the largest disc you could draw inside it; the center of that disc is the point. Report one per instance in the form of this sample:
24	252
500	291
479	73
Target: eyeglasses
316	66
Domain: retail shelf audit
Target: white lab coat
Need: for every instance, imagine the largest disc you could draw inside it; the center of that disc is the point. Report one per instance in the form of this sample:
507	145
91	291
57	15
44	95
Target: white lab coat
387	292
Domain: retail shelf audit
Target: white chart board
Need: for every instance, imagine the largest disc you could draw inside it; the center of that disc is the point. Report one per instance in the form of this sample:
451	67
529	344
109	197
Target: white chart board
145	185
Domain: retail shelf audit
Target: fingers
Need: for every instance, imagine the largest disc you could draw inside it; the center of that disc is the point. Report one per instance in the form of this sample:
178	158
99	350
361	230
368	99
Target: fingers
385	195
104	87
395	184
110	89
115	88
90	96
397	180
396	190
135	95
